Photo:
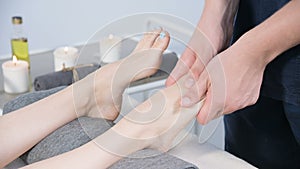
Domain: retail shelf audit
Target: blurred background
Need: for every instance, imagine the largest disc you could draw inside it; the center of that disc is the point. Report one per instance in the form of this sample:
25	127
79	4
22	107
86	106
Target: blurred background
52	23
49	24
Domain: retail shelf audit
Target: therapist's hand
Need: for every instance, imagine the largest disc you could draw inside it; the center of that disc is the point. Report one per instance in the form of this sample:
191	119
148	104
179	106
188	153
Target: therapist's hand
194	59
231	81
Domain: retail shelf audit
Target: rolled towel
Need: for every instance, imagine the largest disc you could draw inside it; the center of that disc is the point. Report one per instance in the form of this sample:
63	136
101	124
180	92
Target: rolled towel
64	77
28	98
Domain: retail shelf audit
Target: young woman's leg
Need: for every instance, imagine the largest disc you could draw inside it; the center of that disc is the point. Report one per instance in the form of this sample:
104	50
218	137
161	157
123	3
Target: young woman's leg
109	82
154	123
25	127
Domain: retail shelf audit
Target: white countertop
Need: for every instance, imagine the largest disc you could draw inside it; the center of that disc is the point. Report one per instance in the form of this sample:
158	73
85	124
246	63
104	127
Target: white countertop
207	156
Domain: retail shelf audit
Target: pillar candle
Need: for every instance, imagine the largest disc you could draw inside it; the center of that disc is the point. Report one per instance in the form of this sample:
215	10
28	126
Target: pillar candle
16	76
110	49
65	57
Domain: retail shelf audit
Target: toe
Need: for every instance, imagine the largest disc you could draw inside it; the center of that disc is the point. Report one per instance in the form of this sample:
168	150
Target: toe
162	41
148	39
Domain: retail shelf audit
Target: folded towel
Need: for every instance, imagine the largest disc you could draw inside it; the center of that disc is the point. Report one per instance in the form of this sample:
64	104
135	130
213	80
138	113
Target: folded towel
81	131
69	75
64	77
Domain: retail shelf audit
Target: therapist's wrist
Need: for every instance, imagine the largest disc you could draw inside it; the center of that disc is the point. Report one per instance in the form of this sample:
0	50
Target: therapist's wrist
219	32
256	48
262	43
217	36
200	45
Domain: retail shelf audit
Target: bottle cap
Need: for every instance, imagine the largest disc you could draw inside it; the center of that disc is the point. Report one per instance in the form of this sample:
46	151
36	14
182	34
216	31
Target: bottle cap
17	20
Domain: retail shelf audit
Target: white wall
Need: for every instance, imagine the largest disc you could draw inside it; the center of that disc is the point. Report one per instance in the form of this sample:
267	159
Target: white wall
52	23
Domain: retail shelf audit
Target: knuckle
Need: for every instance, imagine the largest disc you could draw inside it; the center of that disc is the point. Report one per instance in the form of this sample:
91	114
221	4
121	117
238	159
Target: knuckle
195	71
202	121
195	98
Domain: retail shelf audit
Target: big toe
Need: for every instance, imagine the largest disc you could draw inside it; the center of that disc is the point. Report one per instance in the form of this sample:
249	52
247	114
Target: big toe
148	39
162	41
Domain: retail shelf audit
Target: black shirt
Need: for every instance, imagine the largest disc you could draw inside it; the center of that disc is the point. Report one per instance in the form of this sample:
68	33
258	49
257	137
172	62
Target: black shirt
281	79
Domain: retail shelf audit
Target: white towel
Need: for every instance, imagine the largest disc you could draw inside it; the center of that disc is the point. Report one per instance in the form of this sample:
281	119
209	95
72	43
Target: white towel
207	156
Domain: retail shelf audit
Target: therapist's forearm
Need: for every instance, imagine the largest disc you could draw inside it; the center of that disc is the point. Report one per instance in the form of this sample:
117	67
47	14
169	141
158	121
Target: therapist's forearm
216	22
274	36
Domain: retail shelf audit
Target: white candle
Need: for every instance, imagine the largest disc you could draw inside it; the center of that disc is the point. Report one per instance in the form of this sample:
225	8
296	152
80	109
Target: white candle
110	49
16	76
65	57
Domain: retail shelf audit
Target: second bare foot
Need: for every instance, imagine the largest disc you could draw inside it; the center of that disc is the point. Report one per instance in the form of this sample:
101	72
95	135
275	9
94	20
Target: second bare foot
109	82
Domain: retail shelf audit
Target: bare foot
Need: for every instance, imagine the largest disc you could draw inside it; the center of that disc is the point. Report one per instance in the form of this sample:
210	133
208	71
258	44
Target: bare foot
157	121
110	81
153	124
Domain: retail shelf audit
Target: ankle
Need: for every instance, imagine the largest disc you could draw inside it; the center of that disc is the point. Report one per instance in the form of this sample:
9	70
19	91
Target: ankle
134	132
82	95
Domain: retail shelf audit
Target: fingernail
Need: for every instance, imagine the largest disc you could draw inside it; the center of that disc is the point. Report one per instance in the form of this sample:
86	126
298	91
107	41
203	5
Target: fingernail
189	83
185	101
162	35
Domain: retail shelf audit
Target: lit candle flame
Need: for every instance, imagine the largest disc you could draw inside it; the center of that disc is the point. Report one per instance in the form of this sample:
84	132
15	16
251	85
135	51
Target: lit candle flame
111	36
15	60
66	49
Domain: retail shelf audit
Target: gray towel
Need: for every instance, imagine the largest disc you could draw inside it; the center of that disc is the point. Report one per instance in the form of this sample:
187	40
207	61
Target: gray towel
17	163
28	98
81	131
64	77
68	137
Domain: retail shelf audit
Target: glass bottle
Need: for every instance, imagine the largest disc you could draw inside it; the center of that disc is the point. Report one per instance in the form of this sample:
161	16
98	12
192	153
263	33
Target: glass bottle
19	43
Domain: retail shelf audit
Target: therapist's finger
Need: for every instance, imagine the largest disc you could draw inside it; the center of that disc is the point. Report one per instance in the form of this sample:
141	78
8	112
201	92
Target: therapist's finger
204	114
197	67
212	108
216	93
182	67
196	90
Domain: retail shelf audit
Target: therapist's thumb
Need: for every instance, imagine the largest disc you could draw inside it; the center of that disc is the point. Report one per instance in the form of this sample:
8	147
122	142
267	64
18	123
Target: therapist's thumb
195	92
